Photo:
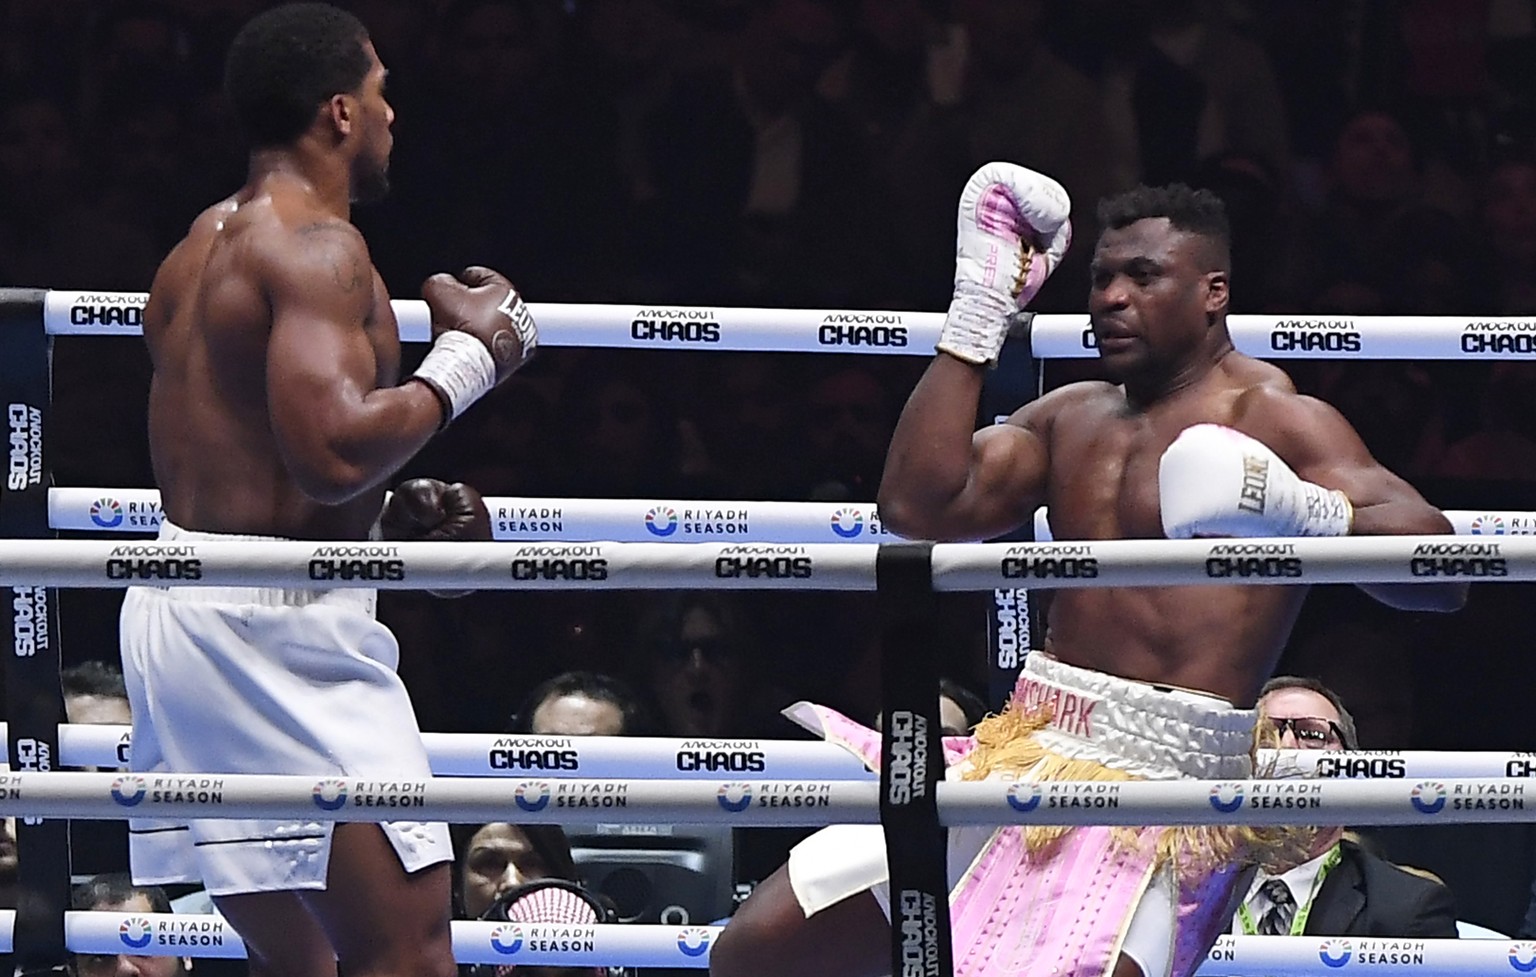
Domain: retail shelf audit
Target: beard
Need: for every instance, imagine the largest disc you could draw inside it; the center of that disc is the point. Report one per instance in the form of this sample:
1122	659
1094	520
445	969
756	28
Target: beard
370	180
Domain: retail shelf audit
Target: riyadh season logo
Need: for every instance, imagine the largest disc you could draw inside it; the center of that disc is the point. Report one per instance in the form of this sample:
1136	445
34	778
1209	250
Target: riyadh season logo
1227	798
330	795
847	523
1334	953
1428	797
507	939
128	790
1488	525
661	520
1522	956
135	933
693	941
1024	797
532	796
734	797
107	513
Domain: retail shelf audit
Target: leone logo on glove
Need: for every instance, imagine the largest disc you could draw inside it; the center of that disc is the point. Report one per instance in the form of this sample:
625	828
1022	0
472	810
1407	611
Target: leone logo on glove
1255	483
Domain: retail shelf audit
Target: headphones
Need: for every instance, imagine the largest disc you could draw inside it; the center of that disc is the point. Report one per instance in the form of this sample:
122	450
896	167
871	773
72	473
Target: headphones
555	901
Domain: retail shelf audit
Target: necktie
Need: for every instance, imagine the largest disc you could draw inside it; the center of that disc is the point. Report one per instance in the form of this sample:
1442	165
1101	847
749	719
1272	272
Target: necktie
1277	919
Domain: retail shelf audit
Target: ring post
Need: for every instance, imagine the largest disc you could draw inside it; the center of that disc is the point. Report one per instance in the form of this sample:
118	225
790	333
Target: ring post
912	761
33	700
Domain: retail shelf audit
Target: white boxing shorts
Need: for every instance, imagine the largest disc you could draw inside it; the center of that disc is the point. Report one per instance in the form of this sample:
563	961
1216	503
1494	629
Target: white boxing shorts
256	680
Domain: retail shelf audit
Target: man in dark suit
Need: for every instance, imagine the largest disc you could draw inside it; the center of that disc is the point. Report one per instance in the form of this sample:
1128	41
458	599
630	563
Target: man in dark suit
1341	889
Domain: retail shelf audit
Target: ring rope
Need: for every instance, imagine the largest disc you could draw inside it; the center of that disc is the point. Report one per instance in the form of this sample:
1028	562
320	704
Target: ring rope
566	757
1052	336
760	566
757	803
643	521
661	758
650	945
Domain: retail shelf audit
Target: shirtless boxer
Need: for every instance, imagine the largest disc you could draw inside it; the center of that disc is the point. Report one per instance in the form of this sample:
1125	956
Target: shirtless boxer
277	410
1134	682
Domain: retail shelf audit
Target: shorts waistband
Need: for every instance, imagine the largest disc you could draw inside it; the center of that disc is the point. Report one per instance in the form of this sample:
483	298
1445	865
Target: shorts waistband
364	599
1158	730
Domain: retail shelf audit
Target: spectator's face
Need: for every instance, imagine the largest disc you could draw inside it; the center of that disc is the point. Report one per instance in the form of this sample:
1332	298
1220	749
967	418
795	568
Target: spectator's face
576	715
125	965
1373	160
7	851
1304	709
848	419
697	678
97	710
1509	212
499	857
35	151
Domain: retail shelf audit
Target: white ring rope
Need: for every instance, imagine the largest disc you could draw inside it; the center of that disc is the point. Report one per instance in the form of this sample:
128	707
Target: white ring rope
1052	336
758	803
645	520
650	945
760	566
663	758
593	757
417	565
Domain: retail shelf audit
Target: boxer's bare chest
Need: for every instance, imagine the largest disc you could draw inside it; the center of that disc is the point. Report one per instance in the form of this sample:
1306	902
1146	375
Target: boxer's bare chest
1104	459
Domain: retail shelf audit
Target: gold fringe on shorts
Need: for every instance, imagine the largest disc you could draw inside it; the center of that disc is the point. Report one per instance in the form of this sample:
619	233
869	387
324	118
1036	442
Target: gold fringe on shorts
1006	747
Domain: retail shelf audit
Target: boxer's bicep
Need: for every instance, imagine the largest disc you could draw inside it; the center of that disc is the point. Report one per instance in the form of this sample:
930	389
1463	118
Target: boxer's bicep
1324	448
320	364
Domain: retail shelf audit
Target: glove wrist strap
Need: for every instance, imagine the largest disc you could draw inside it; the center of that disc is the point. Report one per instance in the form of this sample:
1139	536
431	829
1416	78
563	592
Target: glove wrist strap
1328	512
459	369
977	323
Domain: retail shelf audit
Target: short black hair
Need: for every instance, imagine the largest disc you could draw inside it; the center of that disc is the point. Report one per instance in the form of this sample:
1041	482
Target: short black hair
1346	722
287	62
114	889
635	719
1187	209
94	677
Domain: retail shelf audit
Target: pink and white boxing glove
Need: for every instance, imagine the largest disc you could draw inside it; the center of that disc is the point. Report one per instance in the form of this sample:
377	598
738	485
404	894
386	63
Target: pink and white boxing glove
1013	230
1214	481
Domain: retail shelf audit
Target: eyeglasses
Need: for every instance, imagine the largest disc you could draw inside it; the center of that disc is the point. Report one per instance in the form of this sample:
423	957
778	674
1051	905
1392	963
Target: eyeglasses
1312	732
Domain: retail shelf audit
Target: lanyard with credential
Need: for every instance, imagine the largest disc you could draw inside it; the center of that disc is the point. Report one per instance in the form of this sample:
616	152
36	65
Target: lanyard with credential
1299	922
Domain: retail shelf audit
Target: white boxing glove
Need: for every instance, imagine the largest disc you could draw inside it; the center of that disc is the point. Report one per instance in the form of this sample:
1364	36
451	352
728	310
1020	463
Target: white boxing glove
1214	481
1013	231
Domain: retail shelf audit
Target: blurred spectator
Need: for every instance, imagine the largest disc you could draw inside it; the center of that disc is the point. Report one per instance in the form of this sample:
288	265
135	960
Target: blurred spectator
115	892
1341	889
1374	209
94	693
1508	223
844	431
770	201
583	704
1504	445
699	657
50	234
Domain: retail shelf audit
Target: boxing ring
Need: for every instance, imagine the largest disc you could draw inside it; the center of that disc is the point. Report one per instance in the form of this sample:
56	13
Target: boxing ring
639	545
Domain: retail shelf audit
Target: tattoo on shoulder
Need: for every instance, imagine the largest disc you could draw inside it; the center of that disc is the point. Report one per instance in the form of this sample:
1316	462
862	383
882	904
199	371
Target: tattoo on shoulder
348	264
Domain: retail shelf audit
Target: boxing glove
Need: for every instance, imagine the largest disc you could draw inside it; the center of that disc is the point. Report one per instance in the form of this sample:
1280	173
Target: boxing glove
1012	232
427	510
482	332
1214	481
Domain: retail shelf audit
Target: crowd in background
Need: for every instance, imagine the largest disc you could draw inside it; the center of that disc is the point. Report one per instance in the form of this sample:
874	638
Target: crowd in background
1376	158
